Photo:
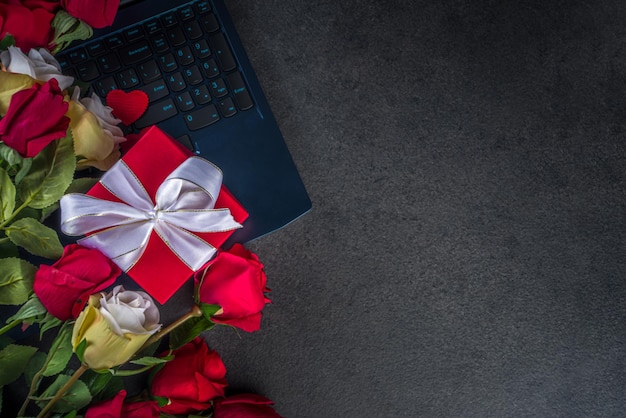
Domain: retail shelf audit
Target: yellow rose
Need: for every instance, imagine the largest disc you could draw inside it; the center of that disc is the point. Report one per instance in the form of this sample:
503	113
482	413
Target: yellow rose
115	326
10	84
91	141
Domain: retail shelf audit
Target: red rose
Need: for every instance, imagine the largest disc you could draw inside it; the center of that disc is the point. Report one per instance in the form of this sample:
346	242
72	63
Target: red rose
246	405
235	281
117	408
65	287
35	117
96	13
191	380
29	23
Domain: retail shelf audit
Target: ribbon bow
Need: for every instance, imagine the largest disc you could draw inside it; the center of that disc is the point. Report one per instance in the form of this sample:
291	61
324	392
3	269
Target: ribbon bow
184	204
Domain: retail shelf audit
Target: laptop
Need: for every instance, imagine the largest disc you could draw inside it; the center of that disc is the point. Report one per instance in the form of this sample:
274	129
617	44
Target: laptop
188	58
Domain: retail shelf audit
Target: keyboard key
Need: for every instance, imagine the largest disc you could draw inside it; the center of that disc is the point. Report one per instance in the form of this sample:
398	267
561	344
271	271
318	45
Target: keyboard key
87	71
202	117
186	141
96	48
218	88
168	63
203	7
176	36
222	52
184	56
132	34
159	43
155	90
149	71
210	23
156	113
109	63
114	41
63	62
192	30
104	86
210	68
176	81
201	94
127	78
240	91
201	48
186	13
78	55
227	107
184	101
193	75
152	27
134	53
169	20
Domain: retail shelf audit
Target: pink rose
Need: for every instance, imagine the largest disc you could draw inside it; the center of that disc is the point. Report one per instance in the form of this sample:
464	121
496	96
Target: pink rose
65	287
235	281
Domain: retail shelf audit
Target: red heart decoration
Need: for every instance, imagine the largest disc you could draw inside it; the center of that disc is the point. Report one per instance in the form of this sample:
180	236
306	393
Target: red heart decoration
128	107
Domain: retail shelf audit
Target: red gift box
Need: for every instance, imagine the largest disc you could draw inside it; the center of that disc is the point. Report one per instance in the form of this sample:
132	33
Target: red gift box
159	271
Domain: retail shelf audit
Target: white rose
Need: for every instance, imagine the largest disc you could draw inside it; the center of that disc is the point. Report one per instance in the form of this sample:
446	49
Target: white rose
129	311
39	64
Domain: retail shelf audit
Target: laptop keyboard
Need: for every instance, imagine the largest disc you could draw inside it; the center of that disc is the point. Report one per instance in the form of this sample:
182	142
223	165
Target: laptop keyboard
180	59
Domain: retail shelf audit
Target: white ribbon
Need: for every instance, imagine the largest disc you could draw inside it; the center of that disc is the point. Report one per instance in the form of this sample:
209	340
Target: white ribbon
184	204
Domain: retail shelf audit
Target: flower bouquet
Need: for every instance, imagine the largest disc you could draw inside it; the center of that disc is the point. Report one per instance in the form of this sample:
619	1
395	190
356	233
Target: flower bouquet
75	328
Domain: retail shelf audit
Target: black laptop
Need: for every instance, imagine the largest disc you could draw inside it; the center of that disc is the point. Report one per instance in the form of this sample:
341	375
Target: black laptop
187	56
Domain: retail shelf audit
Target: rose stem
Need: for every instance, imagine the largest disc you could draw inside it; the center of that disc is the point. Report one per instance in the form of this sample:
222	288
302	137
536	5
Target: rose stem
195	312
78	373
10	326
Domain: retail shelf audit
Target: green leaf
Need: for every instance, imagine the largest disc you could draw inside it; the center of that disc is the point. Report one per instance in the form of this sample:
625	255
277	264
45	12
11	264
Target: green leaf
35	237
82	185
9	155
189	330
151	361
31	309
32	368
48	322
7	195
80	350
209	310
75	398
60	351
16	281
7	41
161	401
51	174
26	165
67	29
8	249
96	382
71	414
13	360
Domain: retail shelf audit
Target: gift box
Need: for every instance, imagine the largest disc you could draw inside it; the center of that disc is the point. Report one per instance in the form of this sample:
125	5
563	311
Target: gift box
159	270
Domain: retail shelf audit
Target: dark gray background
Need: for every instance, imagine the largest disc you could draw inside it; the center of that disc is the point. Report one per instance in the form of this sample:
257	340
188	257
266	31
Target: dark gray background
465	255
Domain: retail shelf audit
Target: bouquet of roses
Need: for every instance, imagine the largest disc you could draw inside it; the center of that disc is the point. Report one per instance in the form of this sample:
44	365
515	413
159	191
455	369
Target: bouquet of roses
97	333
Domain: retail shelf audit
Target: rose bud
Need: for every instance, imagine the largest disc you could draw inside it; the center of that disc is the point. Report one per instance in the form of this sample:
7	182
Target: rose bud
191	380
65	287
115	326
235	281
